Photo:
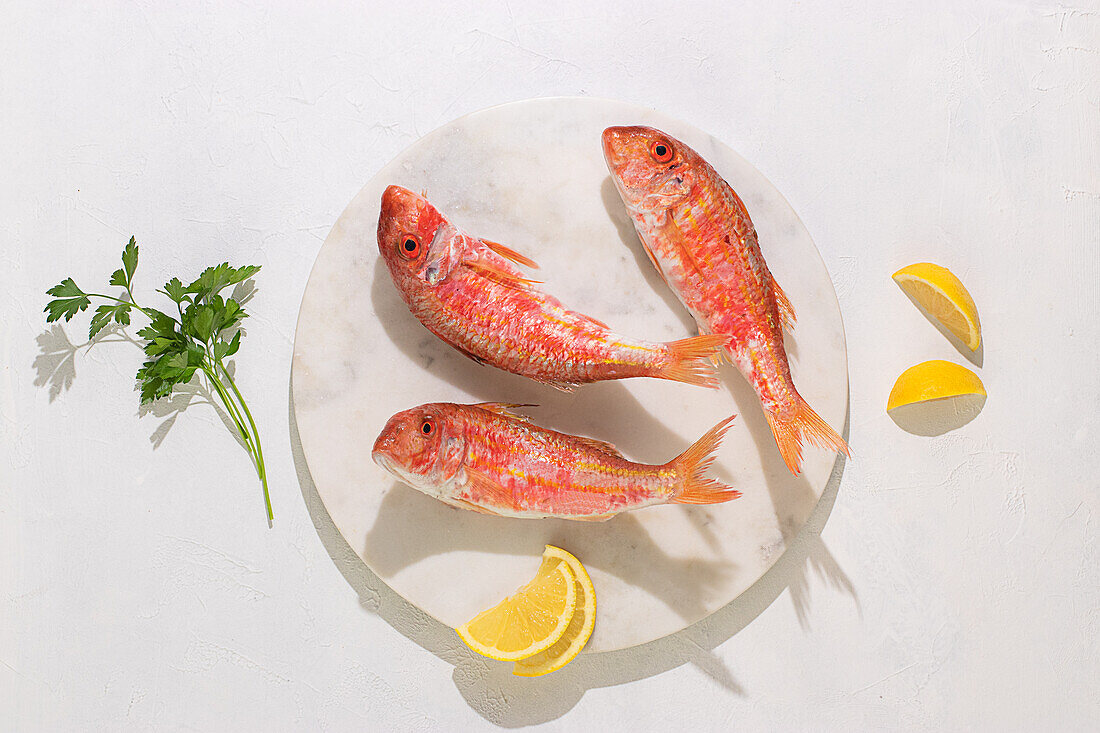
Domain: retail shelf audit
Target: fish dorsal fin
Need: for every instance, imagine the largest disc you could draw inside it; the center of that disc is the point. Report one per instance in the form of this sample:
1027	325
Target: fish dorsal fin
487	490
499	276
782	302
505	409
570	319
600	445
510	254
786	310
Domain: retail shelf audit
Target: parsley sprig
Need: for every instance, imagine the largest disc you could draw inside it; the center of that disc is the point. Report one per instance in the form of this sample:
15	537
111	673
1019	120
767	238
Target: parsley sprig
204	333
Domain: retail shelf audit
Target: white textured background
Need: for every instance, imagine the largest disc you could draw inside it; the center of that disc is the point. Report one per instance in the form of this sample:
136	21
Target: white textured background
957	581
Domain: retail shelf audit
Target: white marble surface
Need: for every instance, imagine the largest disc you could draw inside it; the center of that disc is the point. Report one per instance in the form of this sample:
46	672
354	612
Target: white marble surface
956	582
531	175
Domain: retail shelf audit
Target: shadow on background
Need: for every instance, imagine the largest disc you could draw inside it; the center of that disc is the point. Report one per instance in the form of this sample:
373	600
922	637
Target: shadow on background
55	365
681	584
492	690
793	498
937	417
55	369
610	410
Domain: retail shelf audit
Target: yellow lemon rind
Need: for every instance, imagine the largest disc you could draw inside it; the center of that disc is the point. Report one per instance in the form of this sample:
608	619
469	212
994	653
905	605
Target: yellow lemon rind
933	380
538	645
553	659
945	285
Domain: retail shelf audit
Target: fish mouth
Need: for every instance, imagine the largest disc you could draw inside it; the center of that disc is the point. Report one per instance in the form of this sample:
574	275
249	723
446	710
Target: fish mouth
395	469
616	142
612	138
381	453
397	200
387	463
384	461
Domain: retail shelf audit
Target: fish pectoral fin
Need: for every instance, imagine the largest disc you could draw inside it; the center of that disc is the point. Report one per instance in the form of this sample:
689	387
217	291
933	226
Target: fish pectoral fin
786	309
653	261
501	277
492	491
594	518
510	254
468	354
563	386
600	445
463	504
687	256
505	408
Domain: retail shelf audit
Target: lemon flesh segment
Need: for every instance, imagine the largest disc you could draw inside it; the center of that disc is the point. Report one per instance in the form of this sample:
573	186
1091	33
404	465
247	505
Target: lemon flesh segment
933	380
528	622
576	635
943	296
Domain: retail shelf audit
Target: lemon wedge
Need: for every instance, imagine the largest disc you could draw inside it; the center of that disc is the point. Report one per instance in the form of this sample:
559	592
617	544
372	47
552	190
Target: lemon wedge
933	380
576	635
943	297
529	621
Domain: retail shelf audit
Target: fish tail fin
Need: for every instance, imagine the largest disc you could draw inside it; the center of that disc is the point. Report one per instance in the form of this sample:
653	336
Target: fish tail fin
696	487
807	424
689	360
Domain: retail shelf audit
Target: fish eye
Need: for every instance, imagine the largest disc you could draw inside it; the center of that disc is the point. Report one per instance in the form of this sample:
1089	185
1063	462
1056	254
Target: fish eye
661	151
427	427
409	246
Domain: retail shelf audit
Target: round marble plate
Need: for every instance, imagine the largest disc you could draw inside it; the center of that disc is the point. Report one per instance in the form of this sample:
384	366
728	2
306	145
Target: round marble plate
531	175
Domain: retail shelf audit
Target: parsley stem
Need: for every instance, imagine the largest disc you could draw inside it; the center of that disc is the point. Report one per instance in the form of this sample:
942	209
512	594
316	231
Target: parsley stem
128	302
231	408
251	439
260	468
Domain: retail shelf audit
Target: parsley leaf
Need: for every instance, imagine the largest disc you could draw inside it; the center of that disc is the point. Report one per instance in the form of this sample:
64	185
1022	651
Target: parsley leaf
223	349
69	300
119	312
129	260
174	289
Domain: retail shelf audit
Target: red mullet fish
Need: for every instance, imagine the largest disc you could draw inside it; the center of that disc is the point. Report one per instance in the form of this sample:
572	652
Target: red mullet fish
698	235
485	458
468	292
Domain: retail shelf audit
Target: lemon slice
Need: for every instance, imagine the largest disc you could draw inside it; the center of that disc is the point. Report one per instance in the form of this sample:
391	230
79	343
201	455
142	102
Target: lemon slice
576	635
943	297
933	380
529	621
